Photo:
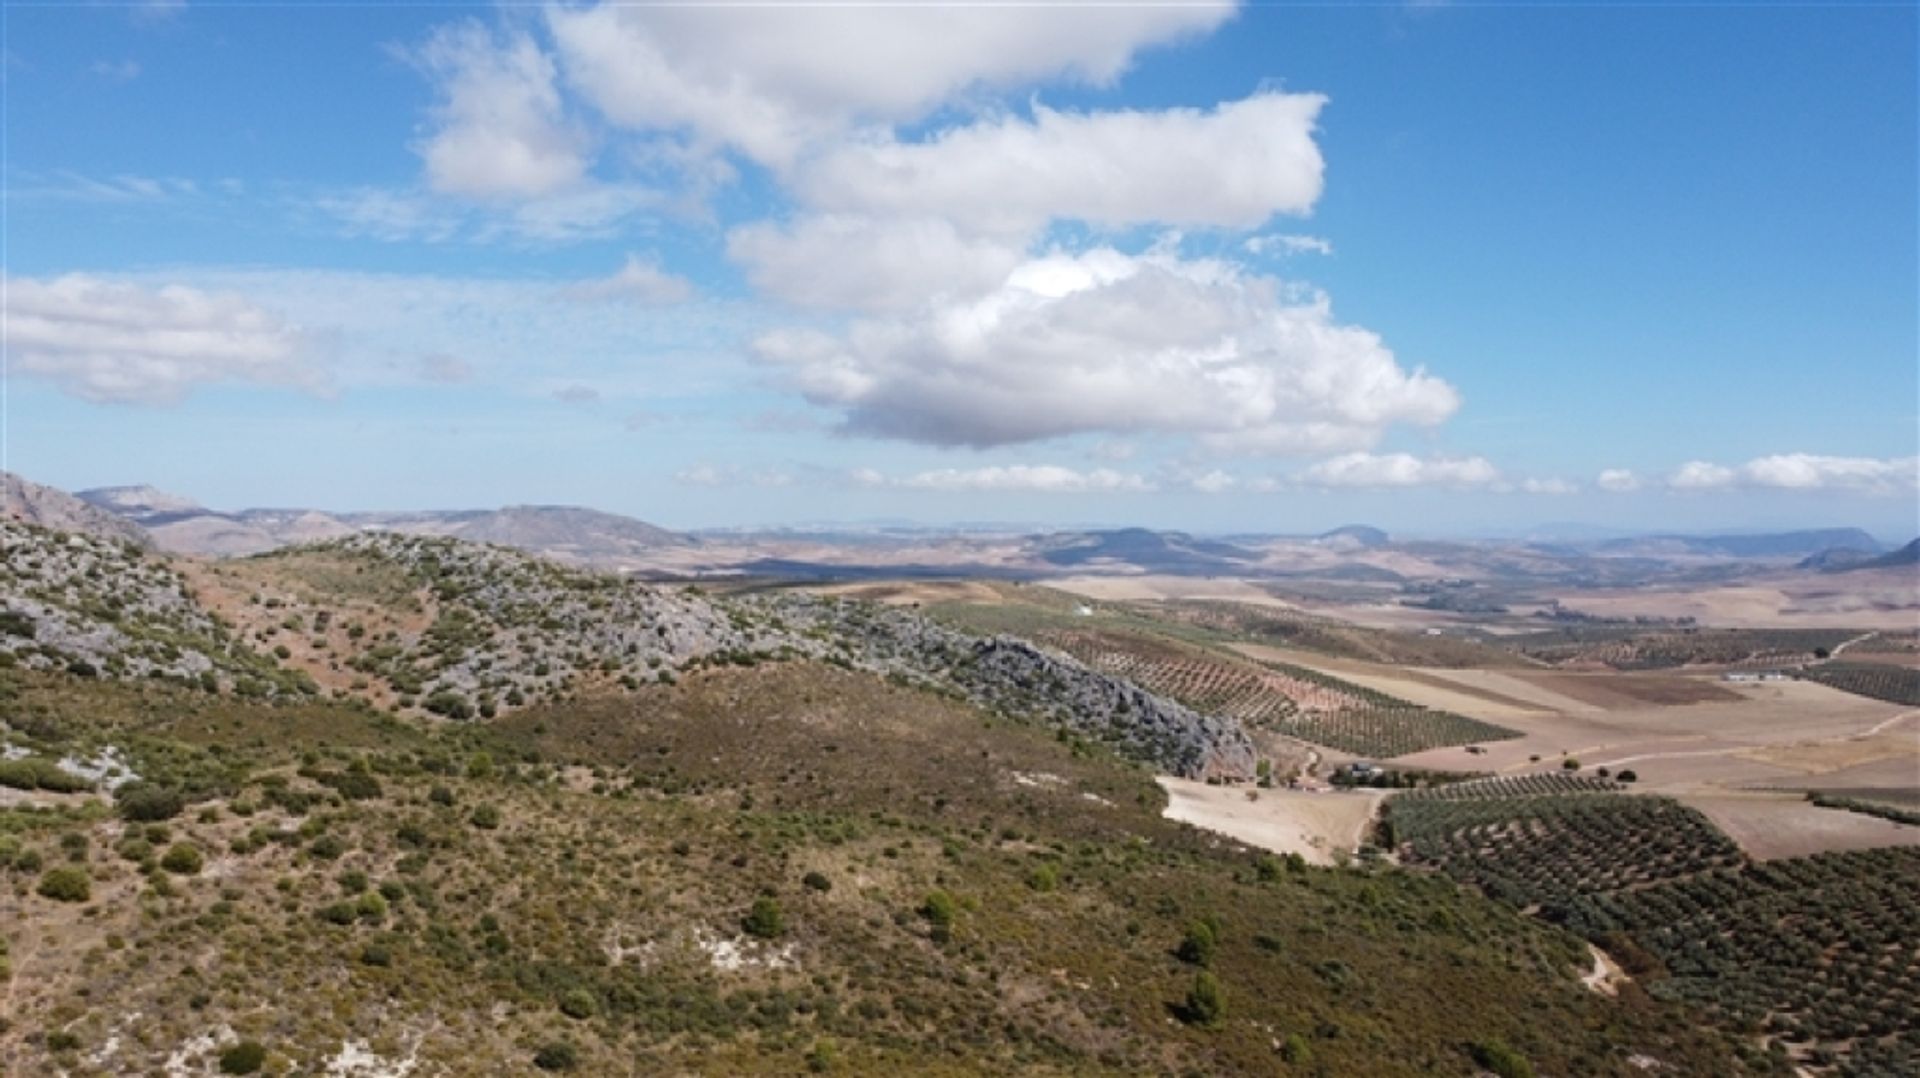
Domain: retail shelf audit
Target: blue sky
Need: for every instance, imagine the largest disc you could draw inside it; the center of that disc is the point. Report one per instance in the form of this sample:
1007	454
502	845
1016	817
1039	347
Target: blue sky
1448	269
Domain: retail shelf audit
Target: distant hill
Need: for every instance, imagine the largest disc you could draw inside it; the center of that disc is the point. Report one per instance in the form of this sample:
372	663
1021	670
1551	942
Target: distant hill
1763	545
183	526
21	499
1849	560
1169	552
1355	535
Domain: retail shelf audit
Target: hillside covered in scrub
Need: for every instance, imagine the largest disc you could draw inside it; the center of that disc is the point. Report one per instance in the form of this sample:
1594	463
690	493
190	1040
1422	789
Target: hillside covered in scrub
482	812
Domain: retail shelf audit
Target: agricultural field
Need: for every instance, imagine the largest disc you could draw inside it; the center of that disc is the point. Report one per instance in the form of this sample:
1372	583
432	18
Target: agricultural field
1818	952
1880	681
1555	849
1630	648
1286	699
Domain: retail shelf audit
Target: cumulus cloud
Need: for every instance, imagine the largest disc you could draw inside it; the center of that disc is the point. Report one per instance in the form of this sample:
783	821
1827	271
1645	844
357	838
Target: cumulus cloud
1617	481
640	280
1804	471
499	129
1701	475
1114	343
856	262
1401	470
1027	478
770	82
108	341
1111	169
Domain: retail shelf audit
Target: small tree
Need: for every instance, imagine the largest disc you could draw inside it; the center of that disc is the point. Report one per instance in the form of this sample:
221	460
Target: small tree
1571	763
1628	775
1205	1004
1296	1050
765	920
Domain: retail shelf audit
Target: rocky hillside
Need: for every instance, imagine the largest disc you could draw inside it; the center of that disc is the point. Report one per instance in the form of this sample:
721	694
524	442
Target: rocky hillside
98	606
462	630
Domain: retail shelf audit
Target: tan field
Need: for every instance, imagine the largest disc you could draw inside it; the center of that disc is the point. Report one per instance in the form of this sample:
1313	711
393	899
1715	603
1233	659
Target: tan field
1152	587
1317	826
1769	825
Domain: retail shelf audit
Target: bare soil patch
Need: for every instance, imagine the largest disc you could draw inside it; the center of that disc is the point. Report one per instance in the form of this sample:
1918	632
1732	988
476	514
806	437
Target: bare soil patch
1316	826
1770	825
1617	691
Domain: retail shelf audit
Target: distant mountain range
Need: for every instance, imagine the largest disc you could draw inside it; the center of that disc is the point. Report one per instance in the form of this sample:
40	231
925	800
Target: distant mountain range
1355	554
180	525
1765	545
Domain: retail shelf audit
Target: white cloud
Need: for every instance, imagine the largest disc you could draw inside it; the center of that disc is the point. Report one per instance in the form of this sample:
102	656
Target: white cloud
499	130
713	475
108	341
640	280
1112	169
1107	342
576	394
1401	470
1024	478
1701	475
1214	482
1287	244
850	261
585	210
1618	481
1805	472
773	80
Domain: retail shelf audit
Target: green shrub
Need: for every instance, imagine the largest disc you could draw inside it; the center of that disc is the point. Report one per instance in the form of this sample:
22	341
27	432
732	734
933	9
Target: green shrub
940	909
246	1057
60	1040
556	1056
765	920
66	884
1044	877
1496	1056
1205	1004
485	817
134	849
1296	1050
579	1003
146	801
816	881
182	859
1200	944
